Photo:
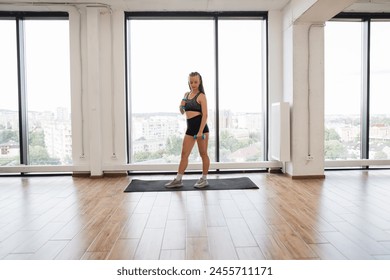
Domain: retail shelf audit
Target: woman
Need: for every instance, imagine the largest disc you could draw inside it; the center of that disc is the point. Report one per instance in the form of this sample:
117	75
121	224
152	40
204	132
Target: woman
194	106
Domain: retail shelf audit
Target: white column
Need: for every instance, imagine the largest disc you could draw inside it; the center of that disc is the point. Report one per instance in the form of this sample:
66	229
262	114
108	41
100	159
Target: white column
303	81
94	93
307	114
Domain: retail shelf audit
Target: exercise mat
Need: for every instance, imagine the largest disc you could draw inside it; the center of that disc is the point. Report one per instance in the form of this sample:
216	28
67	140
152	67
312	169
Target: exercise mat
137	185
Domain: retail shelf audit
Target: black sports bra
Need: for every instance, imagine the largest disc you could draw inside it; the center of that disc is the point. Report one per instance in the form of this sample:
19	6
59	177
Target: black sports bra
192	104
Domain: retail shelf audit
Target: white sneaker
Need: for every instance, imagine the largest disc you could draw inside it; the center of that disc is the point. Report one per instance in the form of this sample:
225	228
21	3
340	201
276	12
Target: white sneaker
174	184
202	183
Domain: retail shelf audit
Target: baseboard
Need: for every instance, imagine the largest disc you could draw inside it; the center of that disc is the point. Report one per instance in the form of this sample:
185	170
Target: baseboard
275	170
300	177
116	174
105	174
81	174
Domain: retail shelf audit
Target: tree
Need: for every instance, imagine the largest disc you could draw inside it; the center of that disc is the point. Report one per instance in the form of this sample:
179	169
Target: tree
8	136
174	144
380	155
37	149
331	134
335	149
37	138
38	155
229	142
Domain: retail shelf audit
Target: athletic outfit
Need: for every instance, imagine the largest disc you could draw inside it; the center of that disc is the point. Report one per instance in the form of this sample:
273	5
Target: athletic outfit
193	124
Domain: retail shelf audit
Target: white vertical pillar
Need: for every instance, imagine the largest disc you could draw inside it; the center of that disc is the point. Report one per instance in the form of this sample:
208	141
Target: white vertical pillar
307	98
94	93
112	88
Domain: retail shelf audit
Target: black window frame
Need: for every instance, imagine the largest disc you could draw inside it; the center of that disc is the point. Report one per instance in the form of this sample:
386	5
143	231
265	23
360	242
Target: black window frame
20	17
366	19
202	15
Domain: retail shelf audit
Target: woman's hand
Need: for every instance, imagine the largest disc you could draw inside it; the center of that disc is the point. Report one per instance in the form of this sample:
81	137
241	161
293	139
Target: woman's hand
200	135
182	105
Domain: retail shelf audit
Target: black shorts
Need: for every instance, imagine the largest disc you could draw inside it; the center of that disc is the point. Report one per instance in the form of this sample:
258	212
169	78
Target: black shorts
193	126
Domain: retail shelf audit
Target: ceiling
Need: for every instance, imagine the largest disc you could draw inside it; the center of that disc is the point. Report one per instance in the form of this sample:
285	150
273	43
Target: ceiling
159	5
195	5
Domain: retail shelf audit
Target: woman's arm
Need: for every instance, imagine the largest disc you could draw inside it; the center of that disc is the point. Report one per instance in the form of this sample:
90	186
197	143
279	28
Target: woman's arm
203	102
183	103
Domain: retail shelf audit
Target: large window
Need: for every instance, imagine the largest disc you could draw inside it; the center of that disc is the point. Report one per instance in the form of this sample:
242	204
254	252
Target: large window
379	91
229	54
343	76
162	54
357	80
35	127
241	111
9	112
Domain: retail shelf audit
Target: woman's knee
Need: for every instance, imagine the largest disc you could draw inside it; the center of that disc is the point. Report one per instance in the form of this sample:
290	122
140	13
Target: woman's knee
204	155
185	155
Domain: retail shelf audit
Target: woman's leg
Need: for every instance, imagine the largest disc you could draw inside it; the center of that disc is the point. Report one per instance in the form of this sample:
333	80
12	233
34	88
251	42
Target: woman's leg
188	144
202	147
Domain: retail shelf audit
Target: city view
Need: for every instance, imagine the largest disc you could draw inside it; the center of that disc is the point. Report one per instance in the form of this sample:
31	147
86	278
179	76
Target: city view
342	137
157	138
49	138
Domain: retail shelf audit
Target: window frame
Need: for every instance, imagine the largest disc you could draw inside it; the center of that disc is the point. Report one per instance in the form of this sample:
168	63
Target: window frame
19	17
215	16
365	162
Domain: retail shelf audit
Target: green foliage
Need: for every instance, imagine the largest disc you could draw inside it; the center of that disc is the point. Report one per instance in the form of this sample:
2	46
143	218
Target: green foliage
174	144
331	134
334	149
37	138
9	136
230	143
380	155
38	154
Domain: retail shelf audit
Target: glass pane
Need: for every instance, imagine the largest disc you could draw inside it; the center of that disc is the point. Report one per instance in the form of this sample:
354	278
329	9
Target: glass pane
162	54
48	92
9	114
241	90
342	90
380	83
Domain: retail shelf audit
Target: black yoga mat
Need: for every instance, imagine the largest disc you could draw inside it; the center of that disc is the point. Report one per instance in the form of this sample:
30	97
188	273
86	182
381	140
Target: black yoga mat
188	185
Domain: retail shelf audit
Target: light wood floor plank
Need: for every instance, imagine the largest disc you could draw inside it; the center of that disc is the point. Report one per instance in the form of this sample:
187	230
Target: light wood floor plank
197	248
123	249
41	237
347	247
172	255
240	233
174	235
214	216
196	224
135	226
220	244
365	242
149	247
327	251
250	253
272	248
50	250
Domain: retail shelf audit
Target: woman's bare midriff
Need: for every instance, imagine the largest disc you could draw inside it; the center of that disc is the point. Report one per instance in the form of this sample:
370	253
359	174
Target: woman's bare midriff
191	114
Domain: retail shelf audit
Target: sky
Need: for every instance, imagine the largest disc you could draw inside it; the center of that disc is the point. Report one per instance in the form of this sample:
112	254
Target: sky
47	65
343	67
164	52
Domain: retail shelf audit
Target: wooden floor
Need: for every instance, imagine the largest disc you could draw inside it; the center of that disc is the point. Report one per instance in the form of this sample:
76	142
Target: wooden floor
345	216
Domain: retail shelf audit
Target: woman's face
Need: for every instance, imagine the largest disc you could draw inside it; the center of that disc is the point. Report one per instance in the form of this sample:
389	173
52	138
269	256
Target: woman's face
194	82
